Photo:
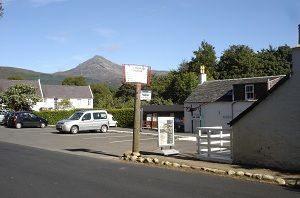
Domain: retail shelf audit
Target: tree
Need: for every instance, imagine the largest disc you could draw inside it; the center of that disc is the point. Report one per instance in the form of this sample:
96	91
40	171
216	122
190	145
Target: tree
103	96
20	97
237	62
76	80
15	77
181	86
1	9
64	104
205	55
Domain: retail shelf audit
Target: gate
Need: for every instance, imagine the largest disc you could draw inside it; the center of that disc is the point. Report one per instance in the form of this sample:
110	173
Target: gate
214	144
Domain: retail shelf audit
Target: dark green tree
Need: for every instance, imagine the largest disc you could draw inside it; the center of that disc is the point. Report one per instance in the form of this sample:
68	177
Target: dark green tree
20	97
1	9
205	55
182	85
274	61
237	62
76	80
103	96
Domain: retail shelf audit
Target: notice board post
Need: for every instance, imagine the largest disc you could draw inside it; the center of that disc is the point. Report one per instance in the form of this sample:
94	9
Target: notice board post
136	75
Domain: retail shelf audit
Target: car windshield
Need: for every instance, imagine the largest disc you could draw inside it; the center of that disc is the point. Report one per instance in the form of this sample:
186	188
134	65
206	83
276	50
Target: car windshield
75	116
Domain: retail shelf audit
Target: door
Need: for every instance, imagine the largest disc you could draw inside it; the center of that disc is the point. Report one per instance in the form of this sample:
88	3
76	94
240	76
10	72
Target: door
34	120
86	122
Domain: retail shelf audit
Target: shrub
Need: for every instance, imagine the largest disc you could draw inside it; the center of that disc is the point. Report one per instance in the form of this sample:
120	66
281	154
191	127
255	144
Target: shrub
124	116
54	116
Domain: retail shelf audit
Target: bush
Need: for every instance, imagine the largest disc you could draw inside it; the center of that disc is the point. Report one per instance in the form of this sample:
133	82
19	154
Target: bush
53	116
125	116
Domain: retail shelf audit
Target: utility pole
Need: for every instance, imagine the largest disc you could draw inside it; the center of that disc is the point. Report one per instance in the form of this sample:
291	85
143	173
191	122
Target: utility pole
137	119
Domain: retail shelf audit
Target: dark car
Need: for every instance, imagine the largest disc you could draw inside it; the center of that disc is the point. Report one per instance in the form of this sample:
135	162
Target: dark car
26	119
6	116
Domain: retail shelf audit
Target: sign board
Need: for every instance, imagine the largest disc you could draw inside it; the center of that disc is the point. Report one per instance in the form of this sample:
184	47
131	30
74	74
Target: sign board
166	131
136	73
146	95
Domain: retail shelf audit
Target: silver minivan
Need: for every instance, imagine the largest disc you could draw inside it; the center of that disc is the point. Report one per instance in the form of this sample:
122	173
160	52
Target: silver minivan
89	120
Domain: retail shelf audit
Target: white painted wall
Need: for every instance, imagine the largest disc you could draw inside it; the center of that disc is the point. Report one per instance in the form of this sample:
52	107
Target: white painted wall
269	135
48	103
213	114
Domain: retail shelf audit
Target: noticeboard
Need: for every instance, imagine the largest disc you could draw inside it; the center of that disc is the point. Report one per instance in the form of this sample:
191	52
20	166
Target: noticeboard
136	73
166	131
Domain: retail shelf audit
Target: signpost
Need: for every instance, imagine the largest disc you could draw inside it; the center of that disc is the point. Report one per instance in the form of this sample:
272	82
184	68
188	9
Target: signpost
146	95
166	135
137	75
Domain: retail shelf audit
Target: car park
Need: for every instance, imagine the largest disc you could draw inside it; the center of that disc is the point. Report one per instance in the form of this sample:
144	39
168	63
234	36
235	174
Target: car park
88	120
26	119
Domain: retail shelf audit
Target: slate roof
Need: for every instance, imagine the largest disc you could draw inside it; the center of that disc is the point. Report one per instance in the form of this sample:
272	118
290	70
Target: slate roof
211	91
66	92
5	84
163	108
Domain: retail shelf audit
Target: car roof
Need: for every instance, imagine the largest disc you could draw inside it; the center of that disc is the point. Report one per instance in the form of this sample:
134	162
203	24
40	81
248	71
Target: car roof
91	111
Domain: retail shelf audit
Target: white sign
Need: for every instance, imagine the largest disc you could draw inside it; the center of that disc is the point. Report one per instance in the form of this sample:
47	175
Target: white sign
145	95
136	73
166	131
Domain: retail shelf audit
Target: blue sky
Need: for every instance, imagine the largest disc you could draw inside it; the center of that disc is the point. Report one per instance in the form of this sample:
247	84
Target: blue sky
56	35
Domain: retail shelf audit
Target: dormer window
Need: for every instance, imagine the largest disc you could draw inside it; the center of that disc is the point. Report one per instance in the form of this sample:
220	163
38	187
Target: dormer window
249	92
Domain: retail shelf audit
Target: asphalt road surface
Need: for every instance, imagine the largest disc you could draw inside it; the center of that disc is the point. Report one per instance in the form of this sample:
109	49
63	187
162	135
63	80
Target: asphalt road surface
31	172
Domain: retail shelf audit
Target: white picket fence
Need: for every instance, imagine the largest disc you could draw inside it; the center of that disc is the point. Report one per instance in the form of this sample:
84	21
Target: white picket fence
214	144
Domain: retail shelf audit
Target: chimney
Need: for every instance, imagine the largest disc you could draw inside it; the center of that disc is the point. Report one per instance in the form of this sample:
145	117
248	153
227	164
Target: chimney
296	56
202	77
298	34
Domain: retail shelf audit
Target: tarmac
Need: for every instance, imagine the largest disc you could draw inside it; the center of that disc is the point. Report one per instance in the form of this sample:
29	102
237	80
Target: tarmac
190	161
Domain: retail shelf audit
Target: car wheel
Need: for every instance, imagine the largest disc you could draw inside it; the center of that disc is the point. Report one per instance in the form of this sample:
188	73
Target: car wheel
104	129
43	125
18	125
74	129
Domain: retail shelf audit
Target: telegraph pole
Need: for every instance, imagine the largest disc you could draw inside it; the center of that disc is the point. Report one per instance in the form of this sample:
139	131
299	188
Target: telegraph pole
137	119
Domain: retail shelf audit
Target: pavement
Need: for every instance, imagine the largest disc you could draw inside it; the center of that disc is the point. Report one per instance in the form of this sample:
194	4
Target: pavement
191	159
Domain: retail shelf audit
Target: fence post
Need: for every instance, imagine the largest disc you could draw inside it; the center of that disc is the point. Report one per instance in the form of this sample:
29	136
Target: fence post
208	143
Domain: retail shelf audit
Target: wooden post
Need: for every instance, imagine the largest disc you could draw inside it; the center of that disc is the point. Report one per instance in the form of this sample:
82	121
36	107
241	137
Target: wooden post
137	119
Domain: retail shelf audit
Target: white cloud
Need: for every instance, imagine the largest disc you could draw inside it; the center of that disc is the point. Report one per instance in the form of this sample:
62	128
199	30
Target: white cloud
105	32
59	38
110	47
39	3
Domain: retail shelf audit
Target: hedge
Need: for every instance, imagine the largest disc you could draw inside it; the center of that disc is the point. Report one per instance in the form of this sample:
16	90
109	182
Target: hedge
125	116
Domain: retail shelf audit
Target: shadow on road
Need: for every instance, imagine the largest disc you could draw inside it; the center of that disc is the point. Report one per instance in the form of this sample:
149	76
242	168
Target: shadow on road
91	151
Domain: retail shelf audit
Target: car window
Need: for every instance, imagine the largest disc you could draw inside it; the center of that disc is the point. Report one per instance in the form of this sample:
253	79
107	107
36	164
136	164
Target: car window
32	115
99	115
86	116
75	116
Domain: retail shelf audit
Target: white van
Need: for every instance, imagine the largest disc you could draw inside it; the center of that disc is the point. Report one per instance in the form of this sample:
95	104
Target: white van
111	121
84	121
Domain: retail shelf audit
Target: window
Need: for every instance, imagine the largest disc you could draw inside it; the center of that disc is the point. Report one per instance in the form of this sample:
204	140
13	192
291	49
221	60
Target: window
249	92
98	116
86	116
55	103
89	102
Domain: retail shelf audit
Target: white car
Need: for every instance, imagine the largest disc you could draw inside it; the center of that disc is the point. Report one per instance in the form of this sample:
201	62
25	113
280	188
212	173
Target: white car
2	114
84	121
111	121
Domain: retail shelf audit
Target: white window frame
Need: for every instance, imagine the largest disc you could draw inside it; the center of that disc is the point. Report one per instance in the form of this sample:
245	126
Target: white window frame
249	93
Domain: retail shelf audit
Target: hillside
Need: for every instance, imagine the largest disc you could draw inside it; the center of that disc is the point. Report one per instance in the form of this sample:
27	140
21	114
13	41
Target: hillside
95	70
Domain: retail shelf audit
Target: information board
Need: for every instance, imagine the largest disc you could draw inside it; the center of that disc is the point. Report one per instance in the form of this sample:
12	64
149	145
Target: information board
136	73
166	131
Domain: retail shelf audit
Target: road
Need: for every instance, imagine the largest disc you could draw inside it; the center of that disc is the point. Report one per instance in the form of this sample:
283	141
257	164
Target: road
31	172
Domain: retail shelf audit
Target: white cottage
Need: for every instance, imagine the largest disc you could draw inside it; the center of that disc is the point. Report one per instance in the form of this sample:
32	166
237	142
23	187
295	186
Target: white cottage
216	102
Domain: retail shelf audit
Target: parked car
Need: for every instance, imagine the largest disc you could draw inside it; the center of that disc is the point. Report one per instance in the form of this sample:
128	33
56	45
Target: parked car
26	119
84	121
6	116
111	121
2	114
